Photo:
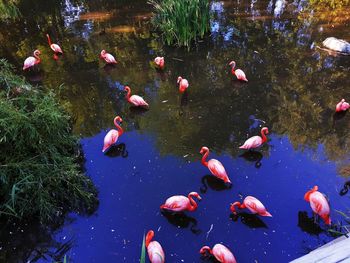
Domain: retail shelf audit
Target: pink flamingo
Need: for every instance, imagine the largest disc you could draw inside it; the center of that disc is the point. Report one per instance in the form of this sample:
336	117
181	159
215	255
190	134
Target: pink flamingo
180	203
159	61
220	252
154	249
113	135
214	166
108	57
342	106
135	100
56	48
238	72
256	141
32	61
183	84
319	204
253	204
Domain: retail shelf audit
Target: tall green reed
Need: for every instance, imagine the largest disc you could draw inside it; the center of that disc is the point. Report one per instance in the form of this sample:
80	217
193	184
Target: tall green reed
181	21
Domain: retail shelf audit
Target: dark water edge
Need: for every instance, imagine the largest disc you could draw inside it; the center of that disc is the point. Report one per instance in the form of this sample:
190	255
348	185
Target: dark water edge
293	88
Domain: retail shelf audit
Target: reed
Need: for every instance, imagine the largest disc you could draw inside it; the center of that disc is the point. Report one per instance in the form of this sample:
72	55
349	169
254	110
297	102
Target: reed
143	250
40	175
181	21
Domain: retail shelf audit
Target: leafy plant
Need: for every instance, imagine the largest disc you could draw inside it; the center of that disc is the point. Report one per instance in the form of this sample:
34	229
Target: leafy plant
8	9
181	21
143	250
39	171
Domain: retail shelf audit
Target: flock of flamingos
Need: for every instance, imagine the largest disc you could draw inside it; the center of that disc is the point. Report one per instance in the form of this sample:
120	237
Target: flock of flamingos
180	203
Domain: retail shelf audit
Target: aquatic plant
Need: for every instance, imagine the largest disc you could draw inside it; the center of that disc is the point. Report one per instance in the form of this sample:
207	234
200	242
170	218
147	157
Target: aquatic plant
39	171
143	250
181	21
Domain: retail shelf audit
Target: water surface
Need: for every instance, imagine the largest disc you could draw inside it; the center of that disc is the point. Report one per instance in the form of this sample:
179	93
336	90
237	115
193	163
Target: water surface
293	88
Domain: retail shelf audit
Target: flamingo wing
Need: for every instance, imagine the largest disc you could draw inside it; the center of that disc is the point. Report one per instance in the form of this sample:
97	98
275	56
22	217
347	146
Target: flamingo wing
319	203
56	48
29	62
240	75
255	206
109	59
253	142
138	101
218	170
155	252
176	203
223	254
110	139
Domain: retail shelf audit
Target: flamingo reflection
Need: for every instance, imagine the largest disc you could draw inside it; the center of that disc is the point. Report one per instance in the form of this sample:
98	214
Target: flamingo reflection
250	220
118	150
213	183
253	156
181	220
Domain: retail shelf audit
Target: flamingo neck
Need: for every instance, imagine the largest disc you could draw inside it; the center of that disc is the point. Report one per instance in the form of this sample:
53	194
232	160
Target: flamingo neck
49	40
233	67
120	129
233	209
193	205
206	249
204	157
128	94
149	238
36	55
263	136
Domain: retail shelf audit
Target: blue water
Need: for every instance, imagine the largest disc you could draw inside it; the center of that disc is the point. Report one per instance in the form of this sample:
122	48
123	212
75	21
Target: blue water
133	188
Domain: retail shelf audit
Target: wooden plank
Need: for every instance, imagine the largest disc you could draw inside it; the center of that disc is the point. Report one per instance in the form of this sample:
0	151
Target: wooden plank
335	251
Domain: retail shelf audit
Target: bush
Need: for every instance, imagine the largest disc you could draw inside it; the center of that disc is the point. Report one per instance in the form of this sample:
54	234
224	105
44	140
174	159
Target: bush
39	171
181	21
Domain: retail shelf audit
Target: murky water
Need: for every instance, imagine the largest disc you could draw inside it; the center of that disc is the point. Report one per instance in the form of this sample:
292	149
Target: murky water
293	88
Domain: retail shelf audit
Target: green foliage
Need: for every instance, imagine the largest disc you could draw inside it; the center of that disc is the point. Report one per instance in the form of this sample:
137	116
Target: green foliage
8	9
143	250
39	173
181	21
330	3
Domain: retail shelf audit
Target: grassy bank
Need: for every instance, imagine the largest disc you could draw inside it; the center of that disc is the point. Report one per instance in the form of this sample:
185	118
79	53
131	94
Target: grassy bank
182	21
39	172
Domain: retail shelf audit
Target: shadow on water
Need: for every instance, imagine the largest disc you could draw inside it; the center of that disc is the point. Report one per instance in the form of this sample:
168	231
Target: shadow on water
118	150
108	68
31	242
250	220
182	220
213	183
253	156
345	188
137	111
338	116
308	224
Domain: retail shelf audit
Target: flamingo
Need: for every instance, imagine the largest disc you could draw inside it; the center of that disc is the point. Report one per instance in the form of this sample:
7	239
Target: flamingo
214	166
56	48
319	204
113	135
32	61
220	252
183	84
154	249
108	57
135	100
180	203
253	204
342	106
256	141
238	72
159	61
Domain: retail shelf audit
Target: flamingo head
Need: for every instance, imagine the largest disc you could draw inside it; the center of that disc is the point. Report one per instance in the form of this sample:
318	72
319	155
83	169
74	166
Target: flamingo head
232	207
127	88
232	64
342	100
308	193
118	119
204	250
103	53
37	52
265	130
195	194
204	150
149	237
47	35
179	79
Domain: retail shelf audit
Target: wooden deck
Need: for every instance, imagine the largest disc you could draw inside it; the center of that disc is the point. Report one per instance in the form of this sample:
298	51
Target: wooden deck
335	251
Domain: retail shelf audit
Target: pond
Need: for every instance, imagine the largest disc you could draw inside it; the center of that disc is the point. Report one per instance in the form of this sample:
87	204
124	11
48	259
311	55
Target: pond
293	89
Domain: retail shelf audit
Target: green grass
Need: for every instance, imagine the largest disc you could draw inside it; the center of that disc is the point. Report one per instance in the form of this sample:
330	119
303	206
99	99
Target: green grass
40	176
182	21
